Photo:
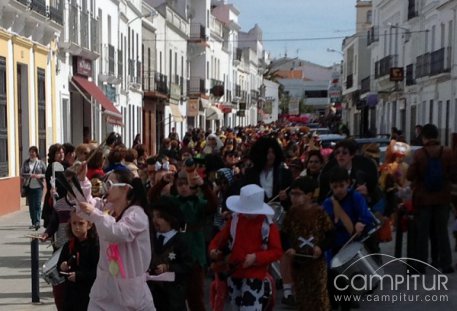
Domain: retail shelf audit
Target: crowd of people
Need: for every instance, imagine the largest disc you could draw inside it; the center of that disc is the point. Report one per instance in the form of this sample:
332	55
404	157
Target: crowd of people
228	205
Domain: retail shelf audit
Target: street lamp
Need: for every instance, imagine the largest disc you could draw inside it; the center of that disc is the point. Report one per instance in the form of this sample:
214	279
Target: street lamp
145	15
335	51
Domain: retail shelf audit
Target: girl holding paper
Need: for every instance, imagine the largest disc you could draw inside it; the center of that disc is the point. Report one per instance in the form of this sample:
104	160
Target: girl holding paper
125	245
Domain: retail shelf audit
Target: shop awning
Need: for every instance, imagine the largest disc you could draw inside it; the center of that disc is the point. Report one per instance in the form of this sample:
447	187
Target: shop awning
176	113
94	91
214	113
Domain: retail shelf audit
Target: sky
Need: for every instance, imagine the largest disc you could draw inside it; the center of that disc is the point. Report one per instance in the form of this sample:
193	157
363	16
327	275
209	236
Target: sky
285	22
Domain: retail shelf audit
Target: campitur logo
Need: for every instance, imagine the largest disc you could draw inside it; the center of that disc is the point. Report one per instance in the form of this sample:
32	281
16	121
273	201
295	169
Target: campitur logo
361	277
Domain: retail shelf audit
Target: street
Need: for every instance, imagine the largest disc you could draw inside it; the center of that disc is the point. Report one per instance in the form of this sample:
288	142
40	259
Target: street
15	282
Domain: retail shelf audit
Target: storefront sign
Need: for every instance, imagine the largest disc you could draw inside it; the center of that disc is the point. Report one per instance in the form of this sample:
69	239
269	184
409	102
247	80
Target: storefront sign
175	91
192	107
294	106
83	66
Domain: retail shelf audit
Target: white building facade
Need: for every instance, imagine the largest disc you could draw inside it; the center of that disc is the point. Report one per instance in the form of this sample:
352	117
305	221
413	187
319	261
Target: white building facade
419	37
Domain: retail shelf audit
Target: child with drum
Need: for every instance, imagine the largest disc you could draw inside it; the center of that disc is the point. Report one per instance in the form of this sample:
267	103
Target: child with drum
78	262
309	233
351	216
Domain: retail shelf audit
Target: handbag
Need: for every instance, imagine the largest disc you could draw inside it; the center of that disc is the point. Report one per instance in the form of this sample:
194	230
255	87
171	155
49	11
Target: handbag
24	190
25	186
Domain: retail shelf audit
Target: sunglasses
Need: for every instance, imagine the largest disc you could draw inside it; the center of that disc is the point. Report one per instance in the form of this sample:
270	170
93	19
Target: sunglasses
109	184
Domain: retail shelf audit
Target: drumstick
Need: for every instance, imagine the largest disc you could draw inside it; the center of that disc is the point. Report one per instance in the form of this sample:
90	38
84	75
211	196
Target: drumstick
277	196
349	241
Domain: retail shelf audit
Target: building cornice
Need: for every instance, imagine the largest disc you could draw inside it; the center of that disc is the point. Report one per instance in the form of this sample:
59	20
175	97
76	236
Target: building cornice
22	41
5	35
40	49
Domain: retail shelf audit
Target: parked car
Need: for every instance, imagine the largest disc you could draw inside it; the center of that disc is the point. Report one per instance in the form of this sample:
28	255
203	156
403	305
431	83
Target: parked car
330	140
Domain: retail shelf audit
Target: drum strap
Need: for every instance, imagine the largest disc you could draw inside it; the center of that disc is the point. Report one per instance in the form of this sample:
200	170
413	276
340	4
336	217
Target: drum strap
341	214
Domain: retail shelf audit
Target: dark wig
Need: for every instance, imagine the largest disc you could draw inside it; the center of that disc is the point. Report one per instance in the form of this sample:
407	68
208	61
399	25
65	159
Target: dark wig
259	151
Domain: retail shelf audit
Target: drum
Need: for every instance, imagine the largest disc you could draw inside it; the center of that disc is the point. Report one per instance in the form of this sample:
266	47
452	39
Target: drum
280	213
49	271
372	229
359	268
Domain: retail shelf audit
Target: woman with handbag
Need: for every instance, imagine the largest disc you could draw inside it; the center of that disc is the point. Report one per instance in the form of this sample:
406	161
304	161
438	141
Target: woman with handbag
32	173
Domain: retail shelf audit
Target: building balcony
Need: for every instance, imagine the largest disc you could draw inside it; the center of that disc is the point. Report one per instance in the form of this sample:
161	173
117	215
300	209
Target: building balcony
410	75
81	38
181	85
254	94
349	81
39	6
237	90
111	61
365	85
197	33
84	29
237	55
244	96
372	35
216	27
56	13
94	39
120	64
196	86
440	61
382	67
423	65
217	88
155	82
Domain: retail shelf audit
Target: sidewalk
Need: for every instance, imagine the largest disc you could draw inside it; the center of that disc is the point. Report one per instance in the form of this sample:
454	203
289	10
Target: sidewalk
15	263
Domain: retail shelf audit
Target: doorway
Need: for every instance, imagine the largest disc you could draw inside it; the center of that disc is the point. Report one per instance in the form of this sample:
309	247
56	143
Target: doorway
23	111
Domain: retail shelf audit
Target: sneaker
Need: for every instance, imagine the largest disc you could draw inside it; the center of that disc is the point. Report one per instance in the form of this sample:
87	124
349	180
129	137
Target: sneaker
32	227
289	301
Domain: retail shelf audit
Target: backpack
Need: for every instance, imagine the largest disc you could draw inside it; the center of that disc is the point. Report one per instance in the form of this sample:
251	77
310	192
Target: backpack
434	172
265	230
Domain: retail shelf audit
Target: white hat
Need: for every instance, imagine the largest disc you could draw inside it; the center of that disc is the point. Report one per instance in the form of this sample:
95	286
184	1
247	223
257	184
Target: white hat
250	201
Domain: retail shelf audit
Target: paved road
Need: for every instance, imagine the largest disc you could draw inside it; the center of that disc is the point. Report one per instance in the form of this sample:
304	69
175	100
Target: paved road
15	284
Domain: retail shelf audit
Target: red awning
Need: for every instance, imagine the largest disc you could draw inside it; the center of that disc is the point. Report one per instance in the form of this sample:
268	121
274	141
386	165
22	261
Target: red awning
99	96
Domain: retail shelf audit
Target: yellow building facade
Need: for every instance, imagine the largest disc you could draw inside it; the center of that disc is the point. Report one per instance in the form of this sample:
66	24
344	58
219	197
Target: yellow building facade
27	95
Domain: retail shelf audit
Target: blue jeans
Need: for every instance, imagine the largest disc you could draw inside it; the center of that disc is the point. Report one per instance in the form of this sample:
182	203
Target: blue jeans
34	198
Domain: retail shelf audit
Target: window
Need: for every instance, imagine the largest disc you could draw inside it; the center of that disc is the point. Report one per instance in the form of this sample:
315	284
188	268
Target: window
369	16
3	121
432	43
443	34
109	29
449	35
42	112
430	120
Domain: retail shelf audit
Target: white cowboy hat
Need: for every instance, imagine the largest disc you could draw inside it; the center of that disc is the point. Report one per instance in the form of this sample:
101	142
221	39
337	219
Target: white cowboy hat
250	201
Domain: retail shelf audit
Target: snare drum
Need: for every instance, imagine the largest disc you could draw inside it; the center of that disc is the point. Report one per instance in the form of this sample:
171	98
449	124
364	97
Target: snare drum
49	271
355	260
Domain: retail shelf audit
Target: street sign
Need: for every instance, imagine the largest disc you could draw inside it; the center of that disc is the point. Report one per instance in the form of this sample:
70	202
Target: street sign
397	74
